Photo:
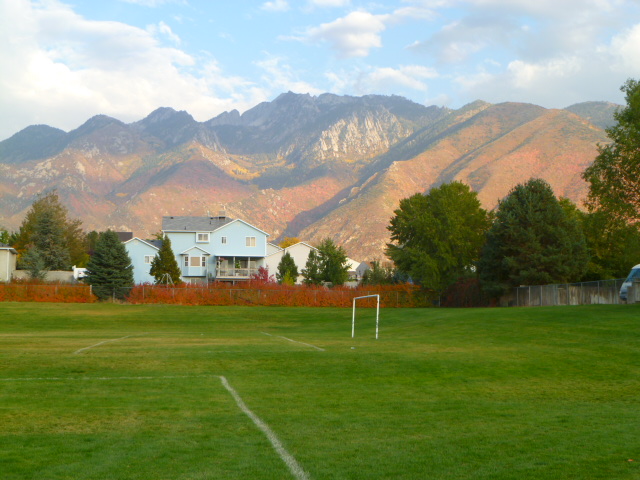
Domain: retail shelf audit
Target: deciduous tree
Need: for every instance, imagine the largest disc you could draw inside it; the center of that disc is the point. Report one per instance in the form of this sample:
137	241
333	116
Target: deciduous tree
438	237
614	176
288	241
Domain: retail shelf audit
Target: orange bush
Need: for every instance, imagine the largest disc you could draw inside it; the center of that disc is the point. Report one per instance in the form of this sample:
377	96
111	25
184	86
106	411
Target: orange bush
264	294
29	291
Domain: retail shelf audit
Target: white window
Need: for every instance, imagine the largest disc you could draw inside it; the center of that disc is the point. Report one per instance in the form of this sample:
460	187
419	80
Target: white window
202	237
223	240
196	262
186	261
148	258
251	241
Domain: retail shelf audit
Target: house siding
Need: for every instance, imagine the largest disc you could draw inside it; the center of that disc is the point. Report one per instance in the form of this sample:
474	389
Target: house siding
137	250
185	243
299	252
8	260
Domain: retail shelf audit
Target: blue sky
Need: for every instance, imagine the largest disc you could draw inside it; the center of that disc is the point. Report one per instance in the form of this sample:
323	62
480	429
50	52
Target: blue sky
64	61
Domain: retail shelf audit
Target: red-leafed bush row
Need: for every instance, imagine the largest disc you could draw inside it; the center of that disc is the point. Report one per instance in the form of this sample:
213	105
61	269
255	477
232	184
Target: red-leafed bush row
257	293
45	292
248	293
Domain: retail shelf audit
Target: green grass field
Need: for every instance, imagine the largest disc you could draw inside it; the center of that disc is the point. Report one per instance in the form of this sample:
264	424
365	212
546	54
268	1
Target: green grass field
105	391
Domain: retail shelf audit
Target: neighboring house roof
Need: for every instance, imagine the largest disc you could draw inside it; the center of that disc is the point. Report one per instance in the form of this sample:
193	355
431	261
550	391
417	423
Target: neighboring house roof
284	250
194	248
124	236
301	243
193	224
200	224
7	247
246	223
152	243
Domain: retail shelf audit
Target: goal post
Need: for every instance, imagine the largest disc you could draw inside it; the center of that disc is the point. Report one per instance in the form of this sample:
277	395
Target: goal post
353	316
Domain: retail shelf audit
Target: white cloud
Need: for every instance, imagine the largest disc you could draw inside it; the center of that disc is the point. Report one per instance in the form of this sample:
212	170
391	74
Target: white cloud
329	3
65	69
625	48
276	6
164	29
351	36
152	3
382	80
279	76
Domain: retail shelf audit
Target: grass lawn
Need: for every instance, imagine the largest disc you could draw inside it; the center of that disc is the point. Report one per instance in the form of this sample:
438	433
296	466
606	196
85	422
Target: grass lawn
105	391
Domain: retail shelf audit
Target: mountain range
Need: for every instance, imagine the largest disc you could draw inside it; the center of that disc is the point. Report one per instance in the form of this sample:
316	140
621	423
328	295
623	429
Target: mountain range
301	165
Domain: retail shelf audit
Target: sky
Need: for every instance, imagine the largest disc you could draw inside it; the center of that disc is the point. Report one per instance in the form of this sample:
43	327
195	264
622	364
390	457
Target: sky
64	61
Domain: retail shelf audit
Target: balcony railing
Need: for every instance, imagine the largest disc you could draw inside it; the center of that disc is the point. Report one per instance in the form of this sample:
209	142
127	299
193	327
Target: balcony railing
236	272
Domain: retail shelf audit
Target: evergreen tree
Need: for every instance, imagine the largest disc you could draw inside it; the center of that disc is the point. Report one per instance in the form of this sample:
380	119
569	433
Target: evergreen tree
533	241
49	241
165	263
72	239
437	237
33	262
378	275
109	270
311	271
334	265
287	273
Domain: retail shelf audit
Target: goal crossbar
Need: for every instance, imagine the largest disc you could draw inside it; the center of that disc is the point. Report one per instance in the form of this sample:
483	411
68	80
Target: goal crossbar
353	316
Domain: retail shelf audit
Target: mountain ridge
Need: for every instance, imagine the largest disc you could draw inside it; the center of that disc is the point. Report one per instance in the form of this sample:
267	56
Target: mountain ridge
301	165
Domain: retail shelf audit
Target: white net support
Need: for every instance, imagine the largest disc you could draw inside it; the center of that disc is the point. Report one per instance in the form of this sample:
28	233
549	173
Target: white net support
353	316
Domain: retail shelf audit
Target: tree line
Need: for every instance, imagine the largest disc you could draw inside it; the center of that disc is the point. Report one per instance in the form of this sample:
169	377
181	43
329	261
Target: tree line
532	237
438	239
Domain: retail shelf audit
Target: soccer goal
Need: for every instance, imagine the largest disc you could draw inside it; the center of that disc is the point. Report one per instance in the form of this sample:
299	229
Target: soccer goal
353	316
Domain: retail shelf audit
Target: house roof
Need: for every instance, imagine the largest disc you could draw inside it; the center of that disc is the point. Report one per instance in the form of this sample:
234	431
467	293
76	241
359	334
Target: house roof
152	243
186	252
193	224
246	223
4	246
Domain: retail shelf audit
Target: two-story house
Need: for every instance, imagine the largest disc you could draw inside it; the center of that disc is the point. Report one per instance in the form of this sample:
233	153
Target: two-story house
206	248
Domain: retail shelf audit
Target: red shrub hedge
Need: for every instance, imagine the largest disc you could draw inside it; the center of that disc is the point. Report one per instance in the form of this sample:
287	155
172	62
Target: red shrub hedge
29	291
258	293
220	293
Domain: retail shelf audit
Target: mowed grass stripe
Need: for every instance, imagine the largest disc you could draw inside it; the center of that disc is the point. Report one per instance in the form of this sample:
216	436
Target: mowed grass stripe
541	393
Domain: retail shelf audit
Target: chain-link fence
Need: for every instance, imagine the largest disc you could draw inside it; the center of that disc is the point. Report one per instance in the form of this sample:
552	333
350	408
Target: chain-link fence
583	293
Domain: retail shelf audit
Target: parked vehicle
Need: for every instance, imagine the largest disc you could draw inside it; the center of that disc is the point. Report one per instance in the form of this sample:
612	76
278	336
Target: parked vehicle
634	276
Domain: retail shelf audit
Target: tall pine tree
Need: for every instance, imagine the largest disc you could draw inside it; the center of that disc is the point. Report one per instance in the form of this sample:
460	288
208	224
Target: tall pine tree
109	270
311	271
287	273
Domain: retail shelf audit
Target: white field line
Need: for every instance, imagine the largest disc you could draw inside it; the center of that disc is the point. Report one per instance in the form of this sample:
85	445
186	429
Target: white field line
286	457
107	341
294	341
44	379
